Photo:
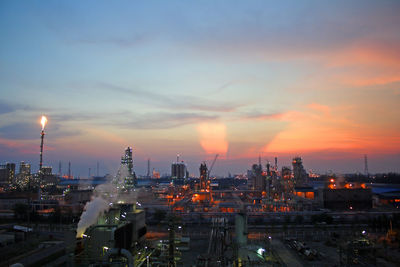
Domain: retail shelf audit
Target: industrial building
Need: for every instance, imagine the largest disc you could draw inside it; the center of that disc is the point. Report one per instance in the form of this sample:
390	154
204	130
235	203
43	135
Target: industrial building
7	173
179	170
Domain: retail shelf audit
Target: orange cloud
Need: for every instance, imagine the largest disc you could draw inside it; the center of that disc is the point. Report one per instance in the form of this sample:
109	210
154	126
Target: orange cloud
364	52
213	137
364	63
317	129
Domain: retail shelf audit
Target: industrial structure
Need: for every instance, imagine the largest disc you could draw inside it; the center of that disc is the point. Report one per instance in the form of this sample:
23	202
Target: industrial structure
43	122
113	238
7	173
299	173
179	170
130	176
226	210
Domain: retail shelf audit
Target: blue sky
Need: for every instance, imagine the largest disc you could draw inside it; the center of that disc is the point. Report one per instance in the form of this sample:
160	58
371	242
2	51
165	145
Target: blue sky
238	78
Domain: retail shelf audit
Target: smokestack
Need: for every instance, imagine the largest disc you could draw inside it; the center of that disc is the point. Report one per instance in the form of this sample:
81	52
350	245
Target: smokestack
98	169
90	169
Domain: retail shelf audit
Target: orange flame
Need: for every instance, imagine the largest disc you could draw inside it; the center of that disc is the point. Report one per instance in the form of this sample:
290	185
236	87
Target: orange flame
43	121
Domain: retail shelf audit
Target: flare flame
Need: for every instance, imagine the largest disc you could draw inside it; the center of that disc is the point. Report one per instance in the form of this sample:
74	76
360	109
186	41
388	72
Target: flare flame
43	121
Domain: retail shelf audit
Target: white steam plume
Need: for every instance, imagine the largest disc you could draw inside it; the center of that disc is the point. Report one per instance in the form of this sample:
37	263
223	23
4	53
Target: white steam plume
92	211
103	195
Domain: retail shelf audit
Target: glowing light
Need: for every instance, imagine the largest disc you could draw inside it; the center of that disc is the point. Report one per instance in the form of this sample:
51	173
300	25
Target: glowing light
363	186
260	251
43	121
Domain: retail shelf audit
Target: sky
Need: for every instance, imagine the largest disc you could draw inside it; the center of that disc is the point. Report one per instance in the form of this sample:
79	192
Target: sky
242	79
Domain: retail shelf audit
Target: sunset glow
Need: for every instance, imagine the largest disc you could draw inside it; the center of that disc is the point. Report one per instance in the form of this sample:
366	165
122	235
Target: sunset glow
213	138
243	80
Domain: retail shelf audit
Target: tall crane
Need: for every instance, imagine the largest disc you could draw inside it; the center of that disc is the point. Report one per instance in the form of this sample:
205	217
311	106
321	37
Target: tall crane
212	165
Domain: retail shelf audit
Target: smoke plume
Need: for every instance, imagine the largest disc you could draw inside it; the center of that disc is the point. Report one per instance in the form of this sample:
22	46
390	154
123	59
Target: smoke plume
104	196
92	211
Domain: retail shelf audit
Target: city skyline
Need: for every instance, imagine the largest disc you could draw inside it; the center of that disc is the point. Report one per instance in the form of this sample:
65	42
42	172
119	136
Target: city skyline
316	79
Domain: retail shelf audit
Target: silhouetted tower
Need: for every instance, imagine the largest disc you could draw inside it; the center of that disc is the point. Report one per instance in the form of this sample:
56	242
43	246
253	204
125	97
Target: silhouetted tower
268	167
90	170
127	159
69	170
148	168
41	150
276	164
97	173
59	169
299	173
257	177
366	165
179	170
203	176
24	168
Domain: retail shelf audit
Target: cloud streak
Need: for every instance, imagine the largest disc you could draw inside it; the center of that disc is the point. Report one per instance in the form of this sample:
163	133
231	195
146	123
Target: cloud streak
172	101
165	120
31	131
